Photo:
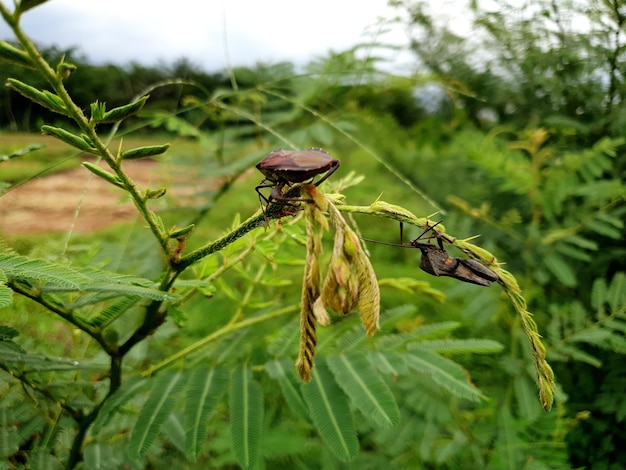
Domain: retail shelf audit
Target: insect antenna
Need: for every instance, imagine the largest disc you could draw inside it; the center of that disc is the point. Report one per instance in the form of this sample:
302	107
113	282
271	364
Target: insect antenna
413	244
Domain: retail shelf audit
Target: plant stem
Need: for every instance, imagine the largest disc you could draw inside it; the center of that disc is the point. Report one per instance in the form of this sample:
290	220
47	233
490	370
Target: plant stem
217	334
274	211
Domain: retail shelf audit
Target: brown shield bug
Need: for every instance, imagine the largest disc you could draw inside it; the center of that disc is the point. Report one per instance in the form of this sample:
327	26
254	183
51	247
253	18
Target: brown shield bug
284	167
436	261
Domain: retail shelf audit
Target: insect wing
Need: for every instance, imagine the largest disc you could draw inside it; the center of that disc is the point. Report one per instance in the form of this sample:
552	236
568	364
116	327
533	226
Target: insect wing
296	166
480	270
276	160
306	164
463	273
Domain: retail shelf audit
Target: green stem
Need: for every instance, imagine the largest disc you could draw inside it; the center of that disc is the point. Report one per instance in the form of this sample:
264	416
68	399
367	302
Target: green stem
274	211
217	334
65	313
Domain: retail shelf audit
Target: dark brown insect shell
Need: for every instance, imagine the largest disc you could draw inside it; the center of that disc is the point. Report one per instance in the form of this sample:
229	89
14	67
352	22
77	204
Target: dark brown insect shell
296	166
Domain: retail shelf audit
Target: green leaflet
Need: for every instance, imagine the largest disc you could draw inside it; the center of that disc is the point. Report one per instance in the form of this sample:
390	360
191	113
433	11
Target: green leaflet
105	175
61	278
286	340
433	330
71	139
103	455
21	152
122	112
526	396
25	5
145	152
616	297
104	318
13	355
388	362
41	458
20	267
118	289
459	346
123	395
246	417
282	372
43	97
14	55
366	389
508	451
561	269
205	387
160	403
444	372
6	294
331	413
174	430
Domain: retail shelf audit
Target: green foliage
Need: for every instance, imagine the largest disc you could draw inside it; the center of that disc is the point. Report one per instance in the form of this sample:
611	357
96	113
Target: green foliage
163	394
367	389
204	391
246	417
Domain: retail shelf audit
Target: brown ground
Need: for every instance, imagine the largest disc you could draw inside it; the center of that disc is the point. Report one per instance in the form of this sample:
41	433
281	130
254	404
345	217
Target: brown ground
71	200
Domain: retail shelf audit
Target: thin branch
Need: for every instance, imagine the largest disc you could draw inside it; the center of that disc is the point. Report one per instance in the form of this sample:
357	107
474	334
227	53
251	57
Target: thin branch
216	335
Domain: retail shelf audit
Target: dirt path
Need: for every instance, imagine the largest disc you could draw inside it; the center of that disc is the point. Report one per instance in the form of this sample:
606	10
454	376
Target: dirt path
58	202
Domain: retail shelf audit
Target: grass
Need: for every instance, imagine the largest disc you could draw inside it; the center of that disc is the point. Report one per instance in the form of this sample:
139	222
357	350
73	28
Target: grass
52	157
56	156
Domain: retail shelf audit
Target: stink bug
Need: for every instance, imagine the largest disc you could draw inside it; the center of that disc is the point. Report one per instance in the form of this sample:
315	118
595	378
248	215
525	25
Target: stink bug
283	167
436	261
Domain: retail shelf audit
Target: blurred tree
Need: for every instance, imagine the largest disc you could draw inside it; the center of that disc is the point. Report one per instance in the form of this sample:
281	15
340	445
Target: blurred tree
545	63
546	79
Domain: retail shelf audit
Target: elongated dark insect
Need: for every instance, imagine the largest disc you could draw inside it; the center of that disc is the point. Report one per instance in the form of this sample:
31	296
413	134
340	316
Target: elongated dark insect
436	261
284	167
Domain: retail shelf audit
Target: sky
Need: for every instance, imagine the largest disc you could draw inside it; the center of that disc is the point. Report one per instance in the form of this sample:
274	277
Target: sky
212	34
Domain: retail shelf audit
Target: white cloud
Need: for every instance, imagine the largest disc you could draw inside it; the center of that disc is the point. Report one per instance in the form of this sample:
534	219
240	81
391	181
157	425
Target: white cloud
150	30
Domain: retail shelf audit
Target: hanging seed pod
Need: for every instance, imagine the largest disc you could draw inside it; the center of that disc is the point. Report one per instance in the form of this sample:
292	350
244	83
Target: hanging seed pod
310	294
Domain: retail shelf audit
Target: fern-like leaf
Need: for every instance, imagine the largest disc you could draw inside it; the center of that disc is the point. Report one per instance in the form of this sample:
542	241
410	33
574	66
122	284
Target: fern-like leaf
107	316
444	372
246	417
526	396
158	407
174	431
366	389
458	346
331	413
282	373
56	277
508	449
286	340
6	294
390	317
617	294
123	395
103	456
116	288
389	362
204	389
12	355
350	339
18	267
561	269
599	295
434	330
